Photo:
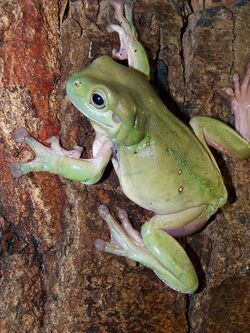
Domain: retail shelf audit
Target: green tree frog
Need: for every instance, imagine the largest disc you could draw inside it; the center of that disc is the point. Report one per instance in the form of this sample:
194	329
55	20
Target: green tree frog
162	165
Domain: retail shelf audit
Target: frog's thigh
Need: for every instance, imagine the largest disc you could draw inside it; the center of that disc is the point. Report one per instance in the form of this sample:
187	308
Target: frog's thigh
178	270
157	232
182	223
220	136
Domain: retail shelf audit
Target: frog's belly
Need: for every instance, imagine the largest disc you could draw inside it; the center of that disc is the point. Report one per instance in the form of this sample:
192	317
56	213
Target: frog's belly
164	187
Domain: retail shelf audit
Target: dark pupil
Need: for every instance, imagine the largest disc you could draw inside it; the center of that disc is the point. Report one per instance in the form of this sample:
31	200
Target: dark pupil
98	100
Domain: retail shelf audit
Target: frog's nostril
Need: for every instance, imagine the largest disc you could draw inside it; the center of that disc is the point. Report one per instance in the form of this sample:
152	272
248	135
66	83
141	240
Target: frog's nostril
77	83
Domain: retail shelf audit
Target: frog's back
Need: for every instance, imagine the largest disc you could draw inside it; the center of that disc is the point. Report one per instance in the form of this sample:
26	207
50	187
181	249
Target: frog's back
161	164
170	170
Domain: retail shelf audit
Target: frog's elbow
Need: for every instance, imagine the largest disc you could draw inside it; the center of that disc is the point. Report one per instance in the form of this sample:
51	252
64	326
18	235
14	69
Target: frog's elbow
93	180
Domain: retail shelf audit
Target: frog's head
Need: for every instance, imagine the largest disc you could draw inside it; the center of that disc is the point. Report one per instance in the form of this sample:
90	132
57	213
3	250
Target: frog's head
104	93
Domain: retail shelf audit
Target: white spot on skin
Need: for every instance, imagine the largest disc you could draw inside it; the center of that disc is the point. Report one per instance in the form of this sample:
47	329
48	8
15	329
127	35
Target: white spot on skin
180	189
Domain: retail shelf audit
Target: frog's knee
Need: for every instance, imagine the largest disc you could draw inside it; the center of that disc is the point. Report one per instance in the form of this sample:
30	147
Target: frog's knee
196	121
146	229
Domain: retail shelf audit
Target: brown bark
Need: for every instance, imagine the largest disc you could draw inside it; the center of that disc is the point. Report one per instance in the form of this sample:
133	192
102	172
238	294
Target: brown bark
52	278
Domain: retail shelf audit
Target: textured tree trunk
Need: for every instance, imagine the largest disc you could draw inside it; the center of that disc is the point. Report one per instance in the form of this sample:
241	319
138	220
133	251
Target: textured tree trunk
52	278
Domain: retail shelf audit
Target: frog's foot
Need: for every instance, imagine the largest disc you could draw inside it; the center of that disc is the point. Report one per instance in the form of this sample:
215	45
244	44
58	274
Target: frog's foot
59	150
126	30
240	101
45	157
127	242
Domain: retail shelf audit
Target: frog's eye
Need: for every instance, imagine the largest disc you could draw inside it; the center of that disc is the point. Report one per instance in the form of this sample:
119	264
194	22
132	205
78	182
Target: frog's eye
97	100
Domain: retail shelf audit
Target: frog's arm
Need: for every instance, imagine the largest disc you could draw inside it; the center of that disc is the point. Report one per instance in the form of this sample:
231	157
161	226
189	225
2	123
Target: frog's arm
220	136
130	47
62	162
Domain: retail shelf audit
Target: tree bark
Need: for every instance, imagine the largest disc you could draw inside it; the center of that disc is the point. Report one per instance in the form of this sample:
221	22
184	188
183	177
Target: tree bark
52	277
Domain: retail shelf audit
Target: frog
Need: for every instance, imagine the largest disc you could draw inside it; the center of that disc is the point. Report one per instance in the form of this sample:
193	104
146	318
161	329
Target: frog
163	165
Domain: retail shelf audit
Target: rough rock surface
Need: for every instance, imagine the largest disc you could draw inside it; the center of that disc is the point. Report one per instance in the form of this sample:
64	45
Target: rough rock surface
52	278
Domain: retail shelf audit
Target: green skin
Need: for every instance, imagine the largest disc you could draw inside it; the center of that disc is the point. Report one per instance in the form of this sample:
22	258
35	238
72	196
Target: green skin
161	164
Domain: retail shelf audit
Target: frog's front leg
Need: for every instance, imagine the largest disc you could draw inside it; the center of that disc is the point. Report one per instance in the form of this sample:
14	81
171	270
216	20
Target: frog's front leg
220	136
130	47
156	248
62	162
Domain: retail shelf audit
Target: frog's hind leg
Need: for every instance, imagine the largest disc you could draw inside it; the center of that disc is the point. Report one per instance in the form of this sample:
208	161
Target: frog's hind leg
158	238
240	101
156	248
220	136
216	134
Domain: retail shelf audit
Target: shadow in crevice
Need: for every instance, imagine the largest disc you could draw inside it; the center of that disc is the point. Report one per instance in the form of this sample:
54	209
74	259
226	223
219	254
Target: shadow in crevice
193	256
160	83
232	197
